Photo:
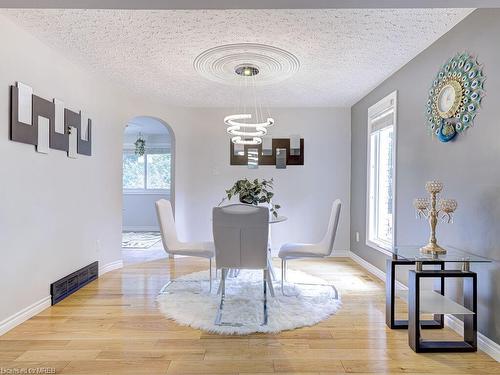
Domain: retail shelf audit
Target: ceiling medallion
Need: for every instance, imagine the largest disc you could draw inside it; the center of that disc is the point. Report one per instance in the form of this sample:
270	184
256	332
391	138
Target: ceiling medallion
247	65
218	63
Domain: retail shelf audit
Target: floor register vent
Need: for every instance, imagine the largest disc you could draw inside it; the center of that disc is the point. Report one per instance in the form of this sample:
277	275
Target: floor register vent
66	286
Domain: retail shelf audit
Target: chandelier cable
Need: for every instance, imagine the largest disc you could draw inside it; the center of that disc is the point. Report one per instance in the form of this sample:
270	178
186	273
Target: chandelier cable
247	127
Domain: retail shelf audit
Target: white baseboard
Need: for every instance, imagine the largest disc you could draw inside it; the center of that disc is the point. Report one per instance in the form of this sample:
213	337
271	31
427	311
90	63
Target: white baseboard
110	267
340	254
374	270
484	343
150	228
368	266
34	309
23	315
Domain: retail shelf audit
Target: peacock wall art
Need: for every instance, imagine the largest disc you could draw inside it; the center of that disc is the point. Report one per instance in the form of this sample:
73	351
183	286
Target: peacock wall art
455	97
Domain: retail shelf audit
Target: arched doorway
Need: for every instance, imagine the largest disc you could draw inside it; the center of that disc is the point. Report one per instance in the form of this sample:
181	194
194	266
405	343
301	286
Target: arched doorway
148	175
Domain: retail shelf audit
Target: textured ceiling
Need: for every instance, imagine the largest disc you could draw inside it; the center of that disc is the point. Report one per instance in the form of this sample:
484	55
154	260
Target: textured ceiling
343	53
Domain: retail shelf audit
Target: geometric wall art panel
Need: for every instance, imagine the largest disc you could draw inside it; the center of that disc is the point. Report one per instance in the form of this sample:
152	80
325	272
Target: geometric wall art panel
58	134
48	124
43	135
291	152
72	146
24	108
295	144
84	145
21	128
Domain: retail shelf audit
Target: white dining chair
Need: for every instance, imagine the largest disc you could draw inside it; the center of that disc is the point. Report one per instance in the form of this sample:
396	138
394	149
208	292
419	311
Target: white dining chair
321	249
240	238
173	246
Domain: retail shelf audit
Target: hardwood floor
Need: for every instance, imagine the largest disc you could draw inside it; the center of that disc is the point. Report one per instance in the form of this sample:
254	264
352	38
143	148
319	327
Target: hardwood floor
112	326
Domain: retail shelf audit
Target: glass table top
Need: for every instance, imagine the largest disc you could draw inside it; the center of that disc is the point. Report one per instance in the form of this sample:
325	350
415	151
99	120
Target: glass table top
452	255
279	219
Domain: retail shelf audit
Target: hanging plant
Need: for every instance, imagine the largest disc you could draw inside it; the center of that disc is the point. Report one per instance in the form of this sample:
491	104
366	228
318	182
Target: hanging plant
140	146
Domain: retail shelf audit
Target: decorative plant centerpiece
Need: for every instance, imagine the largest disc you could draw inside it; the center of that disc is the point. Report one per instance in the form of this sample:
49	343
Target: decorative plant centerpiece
253	192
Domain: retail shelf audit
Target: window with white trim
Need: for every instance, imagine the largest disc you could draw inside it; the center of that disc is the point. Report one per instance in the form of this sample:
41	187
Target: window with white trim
381	172
149	173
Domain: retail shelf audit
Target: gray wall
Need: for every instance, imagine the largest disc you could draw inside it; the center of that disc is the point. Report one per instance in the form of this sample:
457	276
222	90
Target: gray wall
468	166
204	170
139	213
57	214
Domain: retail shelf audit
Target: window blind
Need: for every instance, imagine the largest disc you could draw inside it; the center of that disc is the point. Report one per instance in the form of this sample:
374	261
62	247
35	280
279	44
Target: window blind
384	119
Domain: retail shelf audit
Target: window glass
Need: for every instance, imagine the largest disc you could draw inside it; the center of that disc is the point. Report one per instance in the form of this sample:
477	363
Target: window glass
381	184
133	171
158	171
148	172
385	186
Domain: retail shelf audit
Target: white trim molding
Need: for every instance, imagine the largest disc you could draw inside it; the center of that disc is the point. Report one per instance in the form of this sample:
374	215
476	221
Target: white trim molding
37	307
381	115
340	253
117	264
165	193
485	344
23	315
368	266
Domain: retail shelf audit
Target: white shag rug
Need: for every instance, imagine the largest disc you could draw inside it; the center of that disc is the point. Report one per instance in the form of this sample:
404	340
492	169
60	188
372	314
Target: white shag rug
140	240
190	304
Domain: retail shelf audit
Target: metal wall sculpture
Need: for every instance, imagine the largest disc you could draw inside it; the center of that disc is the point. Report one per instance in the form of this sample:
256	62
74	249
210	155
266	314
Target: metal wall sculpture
279	152
45	124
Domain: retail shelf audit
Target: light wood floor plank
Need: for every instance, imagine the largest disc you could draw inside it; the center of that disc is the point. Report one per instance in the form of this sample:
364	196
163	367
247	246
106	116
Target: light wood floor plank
113	326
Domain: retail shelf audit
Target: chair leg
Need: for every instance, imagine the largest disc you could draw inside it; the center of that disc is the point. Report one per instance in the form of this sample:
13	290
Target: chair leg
284	269
265	278
163	290
172	281
210	273
270	264
282	276
218	317
270	283
219	289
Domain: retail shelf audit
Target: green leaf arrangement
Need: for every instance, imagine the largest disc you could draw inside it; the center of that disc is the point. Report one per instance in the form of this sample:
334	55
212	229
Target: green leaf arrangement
253	192
140	146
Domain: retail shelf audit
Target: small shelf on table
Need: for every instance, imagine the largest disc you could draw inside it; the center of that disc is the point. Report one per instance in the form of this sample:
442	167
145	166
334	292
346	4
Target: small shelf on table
432	302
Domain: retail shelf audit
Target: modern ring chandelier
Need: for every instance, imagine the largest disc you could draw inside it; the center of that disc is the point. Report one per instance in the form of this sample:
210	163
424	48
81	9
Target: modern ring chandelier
248	126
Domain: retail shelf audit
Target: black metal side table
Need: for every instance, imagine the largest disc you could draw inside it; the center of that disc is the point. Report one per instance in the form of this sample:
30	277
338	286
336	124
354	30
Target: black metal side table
390	296
434	302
